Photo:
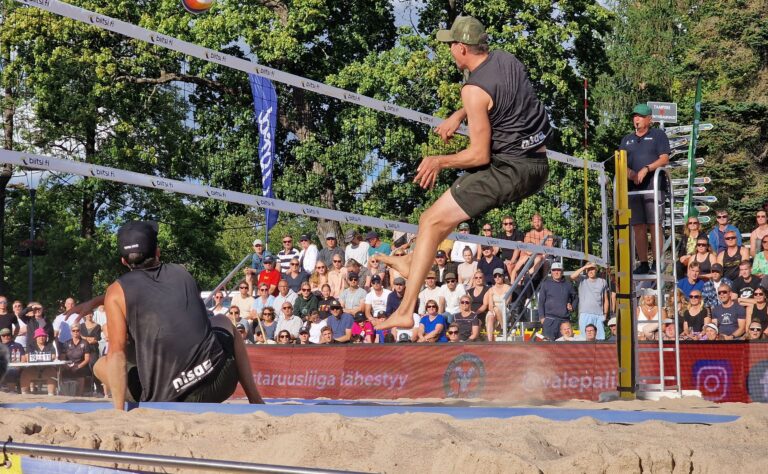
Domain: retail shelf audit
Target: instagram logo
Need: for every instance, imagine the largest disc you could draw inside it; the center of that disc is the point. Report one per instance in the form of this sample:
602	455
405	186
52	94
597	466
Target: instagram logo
712	378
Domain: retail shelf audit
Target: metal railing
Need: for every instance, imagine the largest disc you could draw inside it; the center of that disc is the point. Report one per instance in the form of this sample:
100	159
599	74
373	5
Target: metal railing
150	459
227	279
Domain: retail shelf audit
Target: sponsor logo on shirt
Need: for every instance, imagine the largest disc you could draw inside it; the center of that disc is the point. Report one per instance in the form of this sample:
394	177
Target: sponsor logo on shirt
190	377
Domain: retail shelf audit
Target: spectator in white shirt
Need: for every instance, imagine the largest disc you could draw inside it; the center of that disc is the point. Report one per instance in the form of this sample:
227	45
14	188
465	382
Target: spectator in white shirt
308	254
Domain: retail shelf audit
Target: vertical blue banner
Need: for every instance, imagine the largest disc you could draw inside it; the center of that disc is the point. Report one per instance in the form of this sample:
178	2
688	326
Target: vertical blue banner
265	106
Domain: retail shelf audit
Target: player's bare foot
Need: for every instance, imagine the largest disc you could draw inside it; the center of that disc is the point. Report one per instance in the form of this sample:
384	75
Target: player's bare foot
401	263
396	320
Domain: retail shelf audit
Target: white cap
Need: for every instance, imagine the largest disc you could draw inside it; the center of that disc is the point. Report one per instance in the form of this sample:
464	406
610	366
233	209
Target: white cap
612	322
713	326
258	242
556	266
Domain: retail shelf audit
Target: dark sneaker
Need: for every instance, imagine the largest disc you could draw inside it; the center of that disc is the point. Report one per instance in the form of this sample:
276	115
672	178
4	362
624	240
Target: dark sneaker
642	269
652	268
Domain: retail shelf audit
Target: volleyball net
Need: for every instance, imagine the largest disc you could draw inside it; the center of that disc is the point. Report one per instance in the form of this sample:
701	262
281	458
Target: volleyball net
340	155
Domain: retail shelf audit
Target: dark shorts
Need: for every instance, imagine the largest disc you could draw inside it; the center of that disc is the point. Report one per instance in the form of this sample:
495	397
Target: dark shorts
642	208
501	182
215	388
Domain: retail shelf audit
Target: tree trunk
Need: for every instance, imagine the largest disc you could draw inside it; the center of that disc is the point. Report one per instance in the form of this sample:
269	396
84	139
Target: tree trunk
6	171
327	198
88	222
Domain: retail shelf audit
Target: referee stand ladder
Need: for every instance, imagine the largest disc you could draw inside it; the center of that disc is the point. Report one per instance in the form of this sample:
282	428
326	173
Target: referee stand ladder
657	362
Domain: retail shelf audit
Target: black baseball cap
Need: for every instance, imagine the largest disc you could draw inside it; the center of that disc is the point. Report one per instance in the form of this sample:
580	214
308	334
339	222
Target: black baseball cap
359	317
137	237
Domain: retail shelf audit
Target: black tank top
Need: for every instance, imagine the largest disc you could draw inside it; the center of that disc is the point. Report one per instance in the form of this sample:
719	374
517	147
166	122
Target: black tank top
477	301
696	322
519	121
760	315
731	264
174	345
705	266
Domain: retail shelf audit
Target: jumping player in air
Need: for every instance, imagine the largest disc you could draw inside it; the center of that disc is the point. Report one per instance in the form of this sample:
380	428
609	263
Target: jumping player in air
505	161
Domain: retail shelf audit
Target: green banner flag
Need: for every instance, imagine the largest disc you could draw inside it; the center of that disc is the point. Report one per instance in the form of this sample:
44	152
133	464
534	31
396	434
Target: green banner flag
688	205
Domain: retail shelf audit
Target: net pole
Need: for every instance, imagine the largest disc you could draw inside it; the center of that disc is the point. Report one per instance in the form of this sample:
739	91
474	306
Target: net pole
625	327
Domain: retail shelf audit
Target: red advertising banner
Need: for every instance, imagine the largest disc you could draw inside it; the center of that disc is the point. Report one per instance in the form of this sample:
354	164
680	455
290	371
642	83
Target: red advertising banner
722	371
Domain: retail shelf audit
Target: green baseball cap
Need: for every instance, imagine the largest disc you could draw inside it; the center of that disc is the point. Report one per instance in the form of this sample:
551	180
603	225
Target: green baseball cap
642	109
465	29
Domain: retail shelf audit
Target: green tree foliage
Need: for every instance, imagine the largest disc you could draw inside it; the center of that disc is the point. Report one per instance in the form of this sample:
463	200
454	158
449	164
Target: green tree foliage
658	51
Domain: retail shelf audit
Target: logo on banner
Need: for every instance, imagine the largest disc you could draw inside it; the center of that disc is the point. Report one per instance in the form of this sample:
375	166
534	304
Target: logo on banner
757	382
161	39
712	378
34	161
159	183
464	377
44	3
102	173
102	20
216	193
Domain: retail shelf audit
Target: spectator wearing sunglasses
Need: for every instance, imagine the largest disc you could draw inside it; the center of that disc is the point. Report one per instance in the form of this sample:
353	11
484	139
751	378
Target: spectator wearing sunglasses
717	234
295	275
695	316
288	321
758	312
730	317
453	333
451	292
732	256
465	321
352	298
432	325
242	299
755	332
287	254
306	302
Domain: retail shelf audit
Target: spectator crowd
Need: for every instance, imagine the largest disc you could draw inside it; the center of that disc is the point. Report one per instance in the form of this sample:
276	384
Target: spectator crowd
308	295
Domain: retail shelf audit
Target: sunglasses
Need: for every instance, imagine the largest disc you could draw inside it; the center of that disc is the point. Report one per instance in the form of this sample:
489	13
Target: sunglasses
430	278
755	329
283	337
487	230
287	307
724	292
730	238
243	287
695	297
761	217
267	313
294	264
701	245
234	312
508	223
452	280
337	261
465	302
320	267
258	245
722	217
335	308
431	306
759	294
451	333
352	279
693	223
478	278
305	289
287	241
262	289
498	275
